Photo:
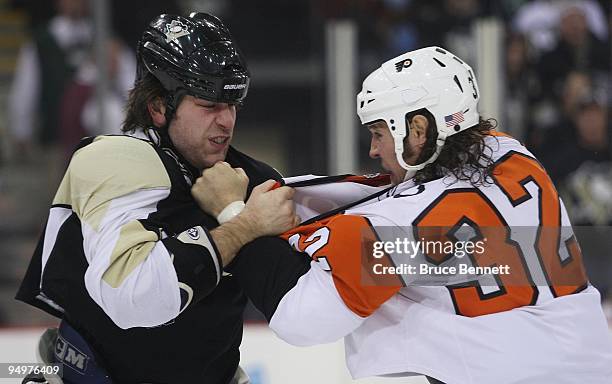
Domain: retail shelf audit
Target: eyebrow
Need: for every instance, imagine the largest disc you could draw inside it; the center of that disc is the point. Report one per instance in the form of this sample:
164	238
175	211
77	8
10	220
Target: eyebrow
202	101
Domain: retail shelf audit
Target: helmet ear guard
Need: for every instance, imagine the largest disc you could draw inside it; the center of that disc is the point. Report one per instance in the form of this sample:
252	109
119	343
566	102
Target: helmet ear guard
430	78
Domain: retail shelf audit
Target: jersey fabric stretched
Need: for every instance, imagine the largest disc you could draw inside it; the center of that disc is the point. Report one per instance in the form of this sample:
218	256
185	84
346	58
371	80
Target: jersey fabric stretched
546	326
126	258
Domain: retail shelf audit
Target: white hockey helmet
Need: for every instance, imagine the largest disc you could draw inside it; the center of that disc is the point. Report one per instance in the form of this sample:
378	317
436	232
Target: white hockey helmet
430	78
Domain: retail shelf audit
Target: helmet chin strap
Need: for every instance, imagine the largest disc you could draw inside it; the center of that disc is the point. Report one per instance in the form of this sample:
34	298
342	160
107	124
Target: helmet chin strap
172	103
411	170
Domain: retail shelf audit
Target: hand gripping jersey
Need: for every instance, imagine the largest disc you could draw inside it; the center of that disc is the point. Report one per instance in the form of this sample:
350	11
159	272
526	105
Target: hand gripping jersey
127	260
545	326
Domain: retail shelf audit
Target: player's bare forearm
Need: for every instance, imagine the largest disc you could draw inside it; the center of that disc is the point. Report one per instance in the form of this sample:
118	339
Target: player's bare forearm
231	236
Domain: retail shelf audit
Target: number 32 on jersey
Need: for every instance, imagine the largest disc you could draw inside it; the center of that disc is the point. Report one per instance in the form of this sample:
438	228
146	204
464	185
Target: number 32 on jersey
470	206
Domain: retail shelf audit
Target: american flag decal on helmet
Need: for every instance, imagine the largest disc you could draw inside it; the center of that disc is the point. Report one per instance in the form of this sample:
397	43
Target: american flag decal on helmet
403	64
454	119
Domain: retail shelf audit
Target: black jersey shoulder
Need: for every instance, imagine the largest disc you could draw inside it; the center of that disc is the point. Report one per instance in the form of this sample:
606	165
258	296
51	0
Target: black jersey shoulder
258	171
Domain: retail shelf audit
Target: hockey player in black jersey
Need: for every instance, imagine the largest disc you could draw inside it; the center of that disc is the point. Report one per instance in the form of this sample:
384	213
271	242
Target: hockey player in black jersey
128	261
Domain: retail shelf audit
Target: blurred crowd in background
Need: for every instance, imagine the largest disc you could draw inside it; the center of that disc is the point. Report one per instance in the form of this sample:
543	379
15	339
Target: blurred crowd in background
556	94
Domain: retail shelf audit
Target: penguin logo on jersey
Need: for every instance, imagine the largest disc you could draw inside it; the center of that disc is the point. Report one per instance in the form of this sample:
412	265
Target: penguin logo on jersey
193	233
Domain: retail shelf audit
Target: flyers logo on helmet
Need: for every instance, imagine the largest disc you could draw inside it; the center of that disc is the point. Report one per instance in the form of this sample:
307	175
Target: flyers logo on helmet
399	66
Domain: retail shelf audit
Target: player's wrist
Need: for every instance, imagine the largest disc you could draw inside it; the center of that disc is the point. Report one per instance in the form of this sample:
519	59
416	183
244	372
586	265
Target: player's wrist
249	223
231	236
230	211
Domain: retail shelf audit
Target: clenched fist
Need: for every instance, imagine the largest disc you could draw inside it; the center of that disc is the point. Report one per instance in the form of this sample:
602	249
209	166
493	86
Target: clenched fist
219	186
270	212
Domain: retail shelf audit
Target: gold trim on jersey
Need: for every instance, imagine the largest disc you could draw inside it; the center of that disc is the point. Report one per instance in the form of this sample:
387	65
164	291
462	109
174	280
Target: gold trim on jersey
133	246
108	168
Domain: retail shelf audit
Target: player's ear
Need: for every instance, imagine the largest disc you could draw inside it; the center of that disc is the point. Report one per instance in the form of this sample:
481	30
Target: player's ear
418	129
157	111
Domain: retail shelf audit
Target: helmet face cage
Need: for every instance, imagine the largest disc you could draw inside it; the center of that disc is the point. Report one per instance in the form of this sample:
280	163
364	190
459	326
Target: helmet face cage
430	78
194	55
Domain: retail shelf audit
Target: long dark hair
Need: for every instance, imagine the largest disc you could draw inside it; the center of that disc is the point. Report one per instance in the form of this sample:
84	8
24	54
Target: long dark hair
145	91
465	155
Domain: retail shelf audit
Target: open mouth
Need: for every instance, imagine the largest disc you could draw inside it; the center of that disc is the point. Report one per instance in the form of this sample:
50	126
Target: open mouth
219	140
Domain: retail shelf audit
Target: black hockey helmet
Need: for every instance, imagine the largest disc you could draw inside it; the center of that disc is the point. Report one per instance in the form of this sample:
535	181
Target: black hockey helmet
193	55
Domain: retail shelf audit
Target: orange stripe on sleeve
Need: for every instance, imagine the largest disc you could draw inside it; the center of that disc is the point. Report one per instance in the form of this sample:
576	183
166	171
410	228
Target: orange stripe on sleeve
343	245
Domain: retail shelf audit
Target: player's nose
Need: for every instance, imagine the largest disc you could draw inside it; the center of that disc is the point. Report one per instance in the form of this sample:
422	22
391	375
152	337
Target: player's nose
374	154
226	117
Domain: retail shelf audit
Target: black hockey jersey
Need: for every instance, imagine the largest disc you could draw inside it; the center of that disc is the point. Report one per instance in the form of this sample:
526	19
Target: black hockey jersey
127	260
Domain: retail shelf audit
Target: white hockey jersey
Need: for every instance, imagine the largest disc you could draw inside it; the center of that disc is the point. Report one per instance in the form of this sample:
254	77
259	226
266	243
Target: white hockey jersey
543	325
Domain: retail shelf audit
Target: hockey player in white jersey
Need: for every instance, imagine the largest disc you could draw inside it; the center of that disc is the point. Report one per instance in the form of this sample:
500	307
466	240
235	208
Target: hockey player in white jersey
449	169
